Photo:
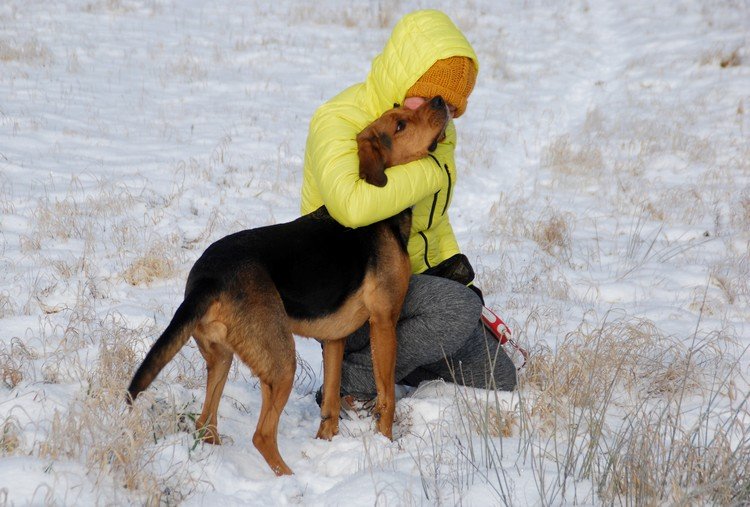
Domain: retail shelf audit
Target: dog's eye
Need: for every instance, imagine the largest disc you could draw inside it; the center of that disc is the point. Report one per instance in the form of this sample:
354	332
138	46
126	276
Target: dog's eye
400	125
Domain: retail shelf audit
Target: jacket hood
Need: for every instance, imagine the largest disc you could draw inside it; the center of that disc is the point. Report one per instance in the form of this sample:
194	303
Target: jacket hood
418	40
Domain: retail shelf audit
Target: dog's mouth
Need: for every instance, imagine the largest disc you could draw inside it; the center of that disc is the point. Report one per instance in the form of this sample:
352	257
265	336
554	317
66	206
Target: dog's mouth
441	135
433	145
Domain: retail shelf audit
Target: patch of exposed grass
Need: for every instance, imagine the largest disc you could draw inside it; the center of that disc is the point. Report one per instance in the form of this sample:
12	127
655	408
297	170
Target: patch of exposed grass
29	51
155	264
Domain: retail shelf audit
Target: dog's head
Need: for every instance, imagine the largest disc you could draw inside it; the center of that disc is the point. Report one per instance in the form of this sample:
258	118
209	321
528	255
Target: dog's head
400	136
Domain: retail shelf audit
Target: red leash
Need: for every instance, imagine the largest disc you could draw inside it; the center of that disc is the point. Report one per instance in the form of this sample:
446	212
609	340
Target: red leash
501	331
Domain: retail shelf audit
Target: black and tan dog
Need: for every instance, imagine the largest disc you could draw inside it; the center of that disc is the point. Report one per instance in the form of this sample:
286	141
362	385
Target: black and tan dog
251	290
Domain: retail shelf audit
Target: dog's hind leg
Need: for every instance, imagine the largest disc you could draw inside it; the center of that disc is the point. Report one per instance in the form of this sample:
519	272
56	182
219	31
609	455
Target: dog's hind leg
218	360
263	340
275	395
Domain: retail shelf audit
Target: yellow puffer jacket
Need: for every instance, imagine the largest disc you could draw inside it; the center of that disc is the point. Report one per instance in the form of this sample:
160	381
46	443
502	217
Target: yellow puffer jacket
331	174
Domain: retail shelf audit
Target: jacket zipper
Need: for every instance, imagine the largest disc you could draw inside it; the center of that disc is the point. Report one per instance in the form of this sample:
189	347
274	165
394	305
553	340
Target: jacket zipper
426	260
450	187
447	195
432	210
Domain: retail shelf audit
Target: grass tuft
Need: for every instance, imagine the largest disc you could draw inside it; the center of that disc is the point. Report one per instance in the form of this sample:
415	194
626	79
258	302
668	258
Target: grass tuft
640	416
30	51
563	156
552	234
155	264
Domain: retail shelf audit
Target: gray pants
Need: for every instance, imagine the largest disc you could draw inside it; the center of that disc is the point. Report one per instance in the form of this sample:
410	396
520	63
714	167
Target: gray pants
440	336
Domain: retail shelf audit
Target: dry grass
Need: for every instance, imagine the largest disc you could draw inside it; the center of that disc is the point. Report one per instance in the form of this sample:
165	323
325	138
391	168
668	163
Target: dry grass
380	14
155	264
662	455
552	234
549	228
6	189
29	51
62	220
190	67
113	442
16	362
112	6
732	277
722	57
10	435
740	212
640	416
629	353
543	275
7	305
492	418
10	370
509	215
566	158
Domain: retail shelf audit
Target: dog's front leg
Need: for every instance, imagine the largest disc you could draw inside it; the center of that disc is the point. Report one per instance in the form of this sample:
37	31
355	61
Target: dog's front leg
383	348
333	355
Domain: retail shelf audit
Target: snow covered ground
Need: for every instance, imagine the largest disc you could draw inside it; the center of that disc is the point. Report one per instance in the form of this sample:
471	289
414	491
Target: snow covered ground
604	198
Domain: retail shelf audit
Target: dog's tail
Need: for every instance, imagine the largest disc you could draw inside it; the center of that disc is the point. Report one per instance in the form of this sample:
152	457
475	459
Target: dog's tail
178	332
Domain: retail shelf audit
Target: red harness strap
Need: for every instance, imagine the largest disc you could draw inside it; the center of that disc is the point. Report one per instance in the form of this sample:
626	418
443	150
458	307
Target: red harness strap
501	331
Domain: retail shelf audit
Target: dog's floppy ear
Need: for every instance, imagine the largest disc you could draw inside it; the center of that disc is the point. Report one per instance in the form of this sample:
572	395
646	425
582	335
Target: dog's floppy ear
371	160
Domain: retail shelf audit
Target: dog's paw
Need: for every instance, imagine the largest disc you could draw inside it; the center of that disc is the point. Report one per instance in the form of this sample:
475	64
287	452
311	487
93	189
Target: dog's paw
328	429
208	434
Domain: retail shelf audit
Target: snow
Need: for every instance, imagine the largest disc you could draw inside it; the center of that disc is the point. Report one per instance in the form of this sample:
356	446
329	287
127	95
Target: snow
604	173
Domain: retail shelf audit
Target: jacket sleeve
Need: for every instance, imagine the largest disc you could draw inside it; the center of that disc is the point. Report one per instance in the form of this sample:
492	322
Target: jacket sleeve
352	201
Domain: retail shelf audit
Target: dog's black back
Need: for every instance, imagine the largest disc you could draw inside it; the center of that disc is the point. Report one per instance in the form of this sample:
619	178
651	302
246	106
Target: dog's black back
314	262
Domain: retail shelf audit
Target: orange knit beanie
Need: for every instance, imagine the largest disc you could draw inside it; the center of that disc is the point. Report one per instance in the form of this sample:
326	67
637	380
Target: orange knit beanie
452	78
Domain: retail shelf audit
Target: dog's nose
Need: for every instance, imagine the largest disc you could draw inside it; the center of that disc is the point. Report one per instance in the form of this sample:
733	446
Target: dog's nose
437	102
